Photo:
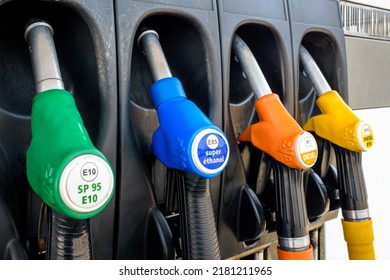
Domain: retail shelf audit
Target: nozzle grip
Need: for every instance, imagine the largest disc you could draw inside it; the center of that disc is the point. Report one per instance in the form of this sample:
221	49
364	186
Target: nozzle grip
63	166
292	220
353	190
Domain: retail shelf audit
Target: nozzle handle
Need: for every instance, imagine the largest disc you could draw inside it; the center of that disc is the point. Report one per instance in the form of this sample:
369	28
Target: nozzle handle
250	67
312	70
46	70
292	219
354	198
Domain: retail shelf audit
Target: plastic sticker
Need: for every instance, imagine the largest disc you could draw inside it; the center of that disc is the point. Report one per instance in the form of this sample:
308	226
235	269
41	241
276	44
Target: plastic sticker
306	149
365	136
86	183
210	151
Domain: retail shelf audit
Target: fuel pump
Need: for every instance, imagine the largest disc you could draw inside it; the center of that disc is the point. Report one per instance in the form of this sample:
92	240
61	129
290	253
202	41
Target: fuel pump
349	137
292	150
64	168
189	142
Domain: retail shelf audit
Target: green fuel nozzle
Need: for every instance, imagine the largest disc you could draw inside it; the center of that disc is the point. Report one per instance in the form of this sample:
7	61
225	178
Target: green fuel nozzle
63	166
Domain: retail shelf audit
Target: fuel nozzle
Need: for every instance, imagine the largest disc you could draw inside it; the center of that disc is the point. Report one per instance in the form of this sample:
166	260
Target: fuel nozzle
292	149
350	137
337	123
277	134
63	166
186	139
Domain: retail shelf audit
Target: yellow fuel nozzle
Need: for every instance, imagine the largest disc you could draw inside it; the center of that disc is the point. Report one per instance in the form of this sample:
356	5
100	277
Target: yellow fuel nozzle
350	136
338	123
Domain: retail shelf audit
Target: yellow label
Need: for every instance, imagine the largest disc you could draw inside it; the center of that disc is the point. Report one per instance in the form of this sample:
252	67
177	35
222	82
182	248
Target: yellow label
310	158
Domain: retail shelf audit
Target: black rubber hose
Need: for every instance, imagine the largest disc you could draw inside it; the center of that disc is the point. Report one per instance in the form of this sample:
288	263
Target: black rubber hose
353	192
202	231
292	220
69	239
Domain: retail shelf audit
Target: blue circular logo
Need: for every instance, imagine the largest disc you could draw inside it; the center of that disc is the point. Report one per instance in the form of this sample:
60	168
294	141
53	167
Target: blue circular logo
211	151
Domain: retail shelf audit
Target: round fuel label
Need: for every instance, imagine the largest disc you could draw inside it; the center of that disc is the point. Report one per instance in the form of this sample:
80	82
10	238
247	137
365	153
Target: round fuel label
210	151
306	150
86	183
365	136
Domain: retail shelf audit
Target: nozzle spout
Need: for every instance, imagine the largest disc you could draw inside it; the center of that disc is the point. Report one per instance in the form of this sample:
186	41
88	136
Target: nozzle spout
250	67
314	73
47	75
149	42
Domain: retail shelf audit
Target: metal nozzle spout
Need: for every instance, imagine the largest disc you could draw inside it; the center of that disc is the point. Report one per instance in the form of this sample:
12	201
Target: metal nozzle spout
314	73
46	70
250	67
149	42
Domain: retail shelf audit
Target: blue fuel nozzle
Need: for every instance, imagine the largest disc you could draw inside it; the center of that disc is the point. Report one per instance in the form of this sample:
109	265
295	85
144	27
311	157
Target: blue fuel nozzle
186	139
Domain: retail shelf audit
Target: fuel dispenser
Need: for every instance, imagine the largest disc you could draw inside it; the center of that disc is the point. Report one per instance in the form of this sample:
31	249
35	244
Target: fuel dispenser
150	138
323	37
188	34
262	27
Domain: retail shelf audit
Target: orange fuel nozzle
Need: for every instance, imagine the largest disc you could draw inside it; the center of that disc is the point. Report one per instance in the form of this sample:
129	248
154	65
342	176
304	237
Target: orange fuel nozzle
280	136
277	133
291	148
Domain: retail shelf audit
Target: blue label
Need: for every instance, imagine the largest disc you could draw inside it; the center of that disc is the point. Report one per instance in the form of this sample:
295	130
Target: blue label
212	151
